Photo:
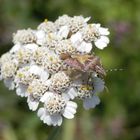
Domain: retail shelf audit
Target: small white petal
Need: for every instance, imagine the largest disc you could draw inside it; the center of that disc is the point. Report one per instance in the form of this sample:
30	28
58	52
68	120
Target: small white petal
40	37
87	19
96	99
56	120
33	105
72	104
88	47
34	69
15	48
76	39
68	114
98	84
104	39
104	31
66	96
47	119
9	83
98	25
91	102
31	47
63	32
21	90
40	112
42	118
101	45
71	109
102	42
44	75
84	47
72	93
46	96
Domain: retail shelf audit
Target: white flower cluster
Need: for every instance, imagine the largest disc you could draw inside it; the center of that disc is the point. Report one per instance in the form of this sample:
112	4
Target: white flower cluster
35	68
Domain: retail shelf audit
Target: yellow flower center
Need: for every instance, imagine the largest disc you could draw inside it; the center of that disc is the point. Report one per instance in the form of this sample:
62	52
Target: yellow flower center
86	87
46	20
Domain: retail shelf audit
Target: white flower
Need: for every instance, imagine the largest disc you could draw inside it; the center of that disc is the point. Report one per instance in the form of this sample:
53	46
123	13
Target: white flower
97	34
98	86
102	40
56	106
65	46
51	40
18	46
5	58
26	75
47	26
35	91
8	71
24	36
90	100
51	66
77	23
40	55
87	92
60	82
22	80
23	57
62	21
52	63
79	44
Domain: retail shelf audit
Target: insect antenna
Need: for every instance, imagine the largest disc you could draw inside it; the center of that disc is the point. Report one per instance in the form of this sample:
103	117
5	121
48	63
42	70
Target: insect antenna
112	70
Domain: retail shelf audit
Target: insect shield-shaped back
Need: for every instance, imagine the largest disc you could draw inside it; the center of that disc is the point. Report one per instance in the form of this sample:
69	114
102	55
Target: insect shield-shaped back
84	63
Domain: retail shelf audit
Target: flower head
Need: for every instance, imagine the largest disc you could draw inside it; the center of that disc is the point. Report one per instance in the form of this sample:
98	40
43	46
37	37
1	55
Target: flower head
35	91
47	26
24	36
52	62
60	82
77	23
64	20
55	64
65	46
56	106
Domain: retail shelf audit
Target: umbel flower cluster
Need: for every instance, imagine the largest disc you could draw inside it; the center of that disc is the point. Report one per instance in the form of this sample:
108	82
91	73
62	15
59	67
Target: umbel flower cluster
54	66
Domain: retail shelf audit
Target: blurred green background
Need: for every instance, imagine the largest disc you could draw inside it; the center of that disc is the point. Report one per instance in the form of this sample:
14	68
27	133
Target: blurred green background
118	115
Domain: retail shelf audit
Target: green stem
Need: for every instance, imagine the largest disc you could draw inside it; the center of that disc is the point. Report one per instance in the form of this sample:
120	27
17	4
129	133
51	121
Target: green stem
54	133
